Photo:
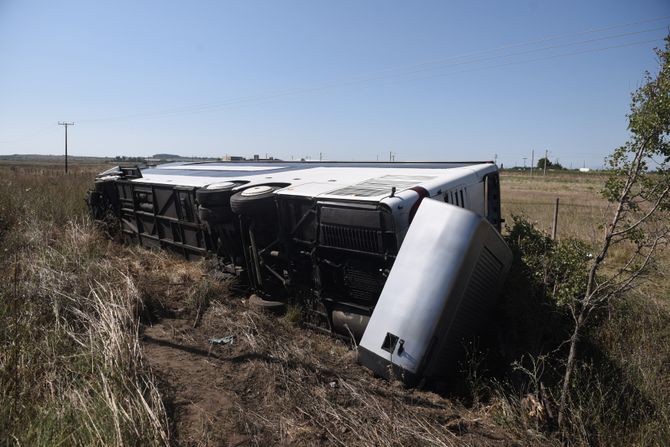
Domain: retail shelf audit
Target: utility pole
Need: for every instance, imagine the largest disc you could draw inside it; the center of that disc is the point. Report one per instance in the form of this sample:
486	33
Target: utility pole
532	161
495	159
524	162
63	123
546	154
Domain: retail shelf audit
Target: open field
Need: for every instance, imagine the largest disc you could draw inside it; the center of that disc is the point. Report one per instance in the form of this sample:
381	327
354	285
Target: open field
108	344
582	213
581	208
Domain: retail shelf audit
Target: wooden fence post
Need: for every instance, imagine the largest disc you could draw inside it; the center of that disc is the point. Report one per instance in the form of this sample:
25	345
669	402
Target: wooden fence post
554	229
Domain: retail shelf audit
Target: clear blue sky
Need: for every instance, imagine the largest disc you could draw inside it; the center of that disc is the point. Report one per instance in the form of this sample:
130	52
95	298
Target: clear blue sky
443	80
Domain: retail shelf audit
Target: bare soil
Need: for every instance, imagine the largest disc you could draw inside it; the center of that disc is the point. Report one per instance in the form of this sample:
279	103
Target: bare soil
280	384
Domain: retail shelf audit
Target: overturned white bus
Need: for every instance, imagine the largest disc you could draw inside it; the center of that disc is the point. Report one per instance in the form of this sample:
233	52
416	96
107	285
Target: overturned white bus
322	235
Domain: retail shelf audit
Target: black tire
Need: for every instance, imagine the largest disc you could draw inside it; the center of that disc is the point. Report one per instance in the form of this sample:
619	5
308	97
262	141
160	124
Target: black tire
256	205
214	215
211	198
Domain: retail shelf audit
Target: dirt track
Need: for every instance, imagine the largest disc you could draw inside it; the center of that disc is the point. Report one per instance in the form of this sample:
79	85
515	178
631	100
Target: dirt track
279	384
202	395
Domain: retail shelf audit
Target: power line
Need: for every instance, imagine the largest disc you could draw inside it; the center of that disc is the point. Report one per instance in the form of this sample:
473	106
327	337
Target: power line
404	73
260	99
279	96
553	47
546	39
534	50
270	99
555	56
401	71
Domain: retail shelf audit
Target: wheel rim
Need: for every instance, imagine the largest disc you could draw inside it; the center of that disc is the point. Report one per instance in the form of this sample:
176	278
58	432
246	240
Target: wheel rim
215	186
256	191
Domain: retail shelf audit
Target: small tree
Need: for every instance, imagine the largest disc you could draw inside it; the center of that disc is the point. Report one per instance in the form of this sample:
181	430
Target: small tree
542	161
638	189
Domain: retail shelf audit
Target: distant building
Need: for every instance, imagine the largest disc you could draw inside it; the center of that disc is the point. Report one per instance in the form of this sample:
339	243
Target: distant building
270	158
256	157
584	169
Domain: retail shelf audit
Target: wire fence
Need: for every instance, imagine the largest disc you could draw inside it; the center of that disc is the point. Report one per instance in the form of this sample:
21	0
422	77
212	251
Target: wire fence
569	219
520	203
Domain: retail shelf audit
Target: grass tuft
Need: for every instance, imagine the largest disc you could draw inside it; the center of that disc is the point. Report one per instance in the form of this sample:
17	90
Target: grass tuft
71	367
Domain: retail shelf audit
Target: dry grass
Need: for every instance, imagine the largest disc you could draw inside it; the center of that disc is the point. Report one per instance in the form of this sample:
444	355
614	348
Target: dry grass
288	386
581	208
622	395
83	321
71	367
583	213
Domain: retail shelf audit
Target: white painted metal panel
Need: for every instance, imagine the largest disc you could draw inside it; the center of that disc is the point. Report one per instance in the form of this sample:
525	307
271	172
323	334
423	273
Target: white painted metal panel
218	167
431	179
421	300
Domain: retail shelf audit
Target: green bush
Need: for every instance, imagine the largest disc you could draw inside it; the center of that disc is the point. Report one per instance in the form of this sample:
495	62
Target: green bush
620	388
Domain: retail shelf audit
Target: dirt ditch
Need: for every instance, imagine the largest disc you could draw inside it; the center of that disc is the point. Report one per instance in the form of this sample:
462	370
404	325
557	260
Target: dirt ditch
271	382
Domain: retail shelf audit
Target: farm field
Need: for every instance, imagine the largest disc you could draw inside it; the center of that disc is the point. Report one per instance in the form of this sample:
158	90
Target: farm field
581	208
582	213
108	344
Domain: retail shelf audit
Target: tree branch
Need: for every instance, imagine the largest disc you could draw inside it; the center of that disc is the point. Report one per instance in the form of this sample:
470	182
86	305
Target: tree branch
623	285
653	209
